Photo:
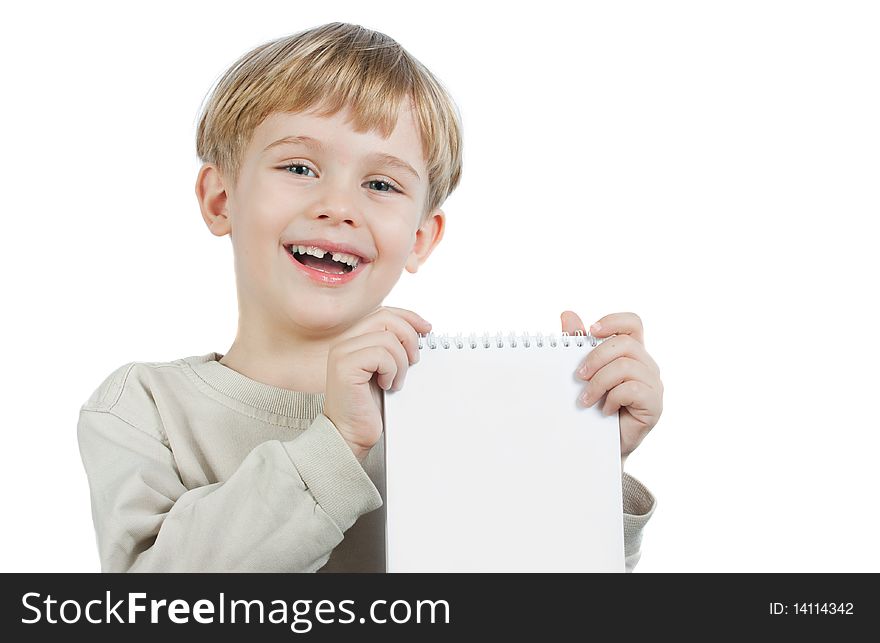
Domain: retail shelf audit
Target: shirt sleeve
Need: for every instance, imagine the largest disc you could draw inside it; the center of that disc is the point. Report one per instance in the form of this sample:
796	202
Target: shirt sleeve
638	507
283	510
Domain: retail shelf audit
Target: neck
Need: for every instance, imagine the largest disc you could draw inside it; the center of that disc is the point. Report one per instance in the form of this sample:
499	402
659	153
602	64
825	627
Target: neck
287	360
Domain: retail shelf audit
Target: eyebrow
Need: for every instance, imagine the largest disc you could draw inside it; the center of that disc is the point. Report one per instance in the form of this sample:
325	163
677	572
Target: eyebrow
308	141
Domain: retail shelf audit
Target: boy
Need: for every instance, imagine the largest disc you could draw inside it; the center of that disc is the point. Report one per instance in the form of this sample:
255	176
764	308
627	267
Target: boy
326	157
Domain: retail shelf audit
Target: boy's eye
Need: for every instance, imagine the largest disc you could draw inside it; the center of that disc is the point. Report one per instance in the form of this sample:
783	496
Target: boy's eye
297	165
390	187
293	169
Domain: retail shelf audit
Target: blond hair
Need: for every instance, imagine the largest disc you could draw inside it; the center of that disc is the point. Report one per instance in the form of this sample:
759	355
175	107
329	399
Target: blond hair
342	65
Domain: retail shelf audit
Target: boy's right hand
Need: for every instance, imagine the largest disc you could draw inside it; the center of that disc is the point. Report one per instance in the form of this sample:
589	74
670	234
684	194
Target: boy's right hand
384	343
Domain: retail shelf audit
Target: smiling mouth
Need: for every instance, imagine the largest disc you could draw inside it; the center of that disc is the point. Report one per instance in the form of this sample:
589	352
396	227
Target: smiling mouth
324	264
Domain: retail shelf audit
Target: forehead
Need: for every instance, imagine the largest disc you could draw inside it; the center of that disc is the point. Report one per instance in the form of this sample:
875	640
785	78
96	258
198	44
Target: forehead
335	134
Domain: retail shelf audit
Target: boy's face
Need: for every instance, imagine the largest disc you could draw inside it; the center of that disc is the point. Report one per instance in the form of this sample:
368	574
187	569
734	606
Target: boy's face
340	193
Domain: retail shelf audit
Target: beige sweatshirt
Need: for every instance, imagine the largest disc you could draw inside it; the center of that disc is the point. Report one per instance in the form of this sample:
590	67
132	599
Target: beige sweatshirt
193	466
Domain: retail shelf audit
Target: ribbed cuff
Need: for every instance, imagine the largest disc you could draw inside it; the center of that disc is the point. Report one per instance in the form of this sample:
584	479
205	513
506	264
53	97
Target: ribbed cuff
638	507
332	473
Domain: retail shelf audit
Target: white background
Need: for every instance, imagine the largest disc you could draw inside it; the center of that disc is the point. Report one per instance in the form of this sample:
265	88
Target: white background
710	166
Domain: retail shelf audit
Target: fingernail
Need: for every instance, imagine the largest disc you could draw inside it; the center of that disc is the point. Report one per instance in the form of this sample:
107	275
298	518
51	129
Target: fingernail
595	327
583	370
585	396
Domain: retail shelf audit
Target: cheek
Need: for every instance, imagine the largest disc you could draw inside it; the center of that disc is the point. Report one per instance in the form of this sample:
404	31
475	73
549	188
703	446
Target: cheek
396	240
264	219
268	198
256	241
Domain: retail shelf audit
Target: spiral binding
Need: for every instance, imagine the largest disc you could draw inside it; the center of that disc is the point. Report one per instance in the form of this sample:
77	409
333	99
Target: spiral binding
434	340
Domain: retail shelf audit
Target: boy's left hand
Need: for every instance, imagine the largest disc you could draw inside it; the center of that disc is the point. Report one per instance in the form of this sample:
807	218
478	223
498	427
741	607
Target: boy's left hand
621	367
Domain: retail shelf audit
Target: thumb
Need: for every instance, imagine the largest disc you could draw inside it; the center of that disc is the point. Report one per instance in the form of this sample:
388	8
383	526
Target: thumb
571	323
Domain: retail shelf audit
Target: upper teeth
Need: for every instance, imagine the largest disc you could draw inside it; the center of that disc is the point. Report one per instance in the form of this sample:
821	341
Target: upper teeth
341	257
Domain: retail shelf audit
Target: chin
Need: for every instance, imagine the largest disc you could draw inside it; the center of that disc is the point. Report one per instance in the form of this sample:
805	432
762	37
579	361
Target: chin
320	321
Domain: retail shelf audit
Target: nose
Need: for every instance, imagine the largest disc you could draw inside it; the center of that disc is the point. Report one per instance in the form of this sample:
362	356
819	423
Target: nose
334	215
337	201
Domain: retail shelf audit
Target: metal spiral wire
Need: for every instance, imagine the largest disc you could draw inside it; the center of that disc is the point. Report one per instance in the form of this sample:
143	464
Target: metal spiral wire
434	340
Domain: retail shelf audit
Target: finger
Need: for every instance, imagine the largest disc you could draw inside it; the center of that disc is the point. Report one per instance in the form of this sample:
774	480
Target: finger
612	349
378	360
400	354
418	322
390	378
406	335
402	331
634	395
618	372
571	323
402	328
619	324
388	342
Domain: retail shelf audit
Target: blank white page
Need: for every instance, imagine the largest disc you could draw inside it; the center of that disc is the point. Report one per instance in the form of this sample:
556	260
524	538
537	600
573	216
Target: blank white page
492	465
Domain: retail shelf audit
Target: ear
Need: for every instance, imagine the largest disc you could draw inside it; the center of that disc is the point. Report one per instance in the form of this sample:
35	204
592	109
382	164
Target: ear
213	199
427	238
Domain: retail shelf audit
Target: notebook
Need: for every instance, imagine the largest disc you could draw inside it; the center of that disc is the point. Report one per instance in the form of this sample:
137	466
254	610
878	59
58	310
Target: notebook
492	464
